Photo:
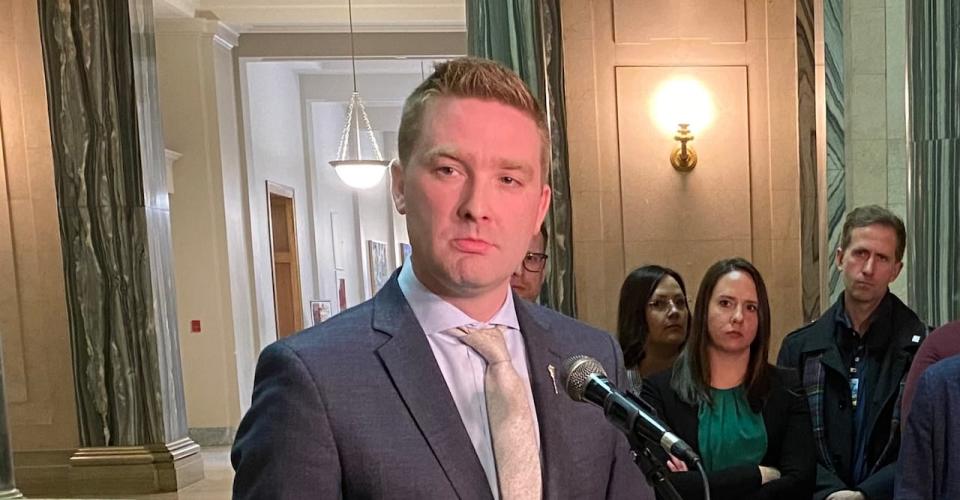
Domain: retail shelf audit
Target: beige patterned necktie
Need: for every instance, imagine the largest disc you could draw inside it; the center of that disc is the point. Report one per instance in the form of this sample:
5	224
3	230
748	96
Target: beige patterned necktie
511	420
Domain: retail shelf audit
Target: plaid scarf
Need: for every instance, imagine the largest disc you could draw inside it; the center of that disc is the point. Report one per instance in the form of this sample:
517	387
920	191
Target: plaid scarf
813	385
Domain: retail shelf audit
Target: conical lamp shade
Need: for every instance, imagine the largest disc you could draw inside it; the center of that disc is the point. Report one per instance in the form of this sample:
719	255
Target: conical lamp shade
352	168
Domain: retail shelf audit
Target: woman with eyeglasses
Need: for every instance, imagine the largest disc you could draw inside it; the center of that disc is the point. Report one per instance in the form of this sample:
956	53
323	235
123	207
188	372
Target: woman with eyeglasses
747	419
652	321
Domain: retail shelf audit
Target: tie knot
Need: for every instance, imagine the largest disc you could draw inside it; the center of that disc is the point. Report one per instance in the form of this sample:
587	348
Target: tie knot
488	342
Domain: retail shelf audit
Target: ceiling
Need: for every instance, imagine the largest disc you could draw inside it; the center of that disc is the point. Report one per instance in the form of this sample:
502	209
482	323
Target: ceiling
259	16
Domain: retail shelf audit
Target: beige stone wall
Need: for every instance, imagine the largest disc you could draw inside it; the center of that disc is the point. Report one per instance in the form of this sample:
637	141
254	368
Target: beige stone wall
875	40
629	206
195	70
33	315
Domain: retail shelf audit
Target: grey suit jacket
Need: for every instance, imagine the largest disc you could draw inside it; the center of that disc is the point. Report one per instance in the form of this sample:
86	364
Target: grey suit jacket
357	407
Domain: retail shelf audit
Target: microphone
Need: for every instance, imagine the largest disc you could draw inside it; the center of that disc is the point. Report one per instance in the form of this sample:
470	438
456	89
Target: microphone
584	379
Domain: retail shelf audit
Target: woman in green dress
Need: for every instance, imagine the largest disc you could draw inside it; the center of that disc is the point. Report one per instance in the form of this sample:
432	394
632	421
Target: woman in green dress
746	418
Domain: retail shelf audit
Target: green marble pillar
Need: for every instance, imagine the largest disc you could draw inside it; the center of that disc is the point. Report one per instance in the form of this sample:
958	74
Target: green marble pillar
100	64
933	143
525	36
8	488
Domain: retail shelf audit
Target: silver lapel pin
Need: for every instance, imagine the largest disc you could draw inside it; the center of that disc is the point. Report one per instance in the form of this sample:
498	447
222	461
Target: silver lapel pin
553	376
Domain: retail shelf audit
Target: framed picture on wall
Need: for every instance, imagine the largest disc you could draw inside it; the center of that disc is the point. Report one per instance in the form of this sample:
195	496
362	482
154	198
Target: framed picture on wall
321	310
379	270
342	293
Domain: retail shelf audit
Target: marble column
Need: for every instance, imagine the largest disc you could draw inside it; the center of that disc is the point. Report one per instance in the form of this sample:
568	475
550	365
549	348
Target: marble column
933	143
836	139
110	173
807	149
8	488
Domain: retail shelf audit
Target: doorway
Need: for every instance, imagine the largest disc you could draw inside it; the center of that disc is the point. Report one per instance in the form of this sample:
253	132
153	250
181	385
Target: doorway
283	252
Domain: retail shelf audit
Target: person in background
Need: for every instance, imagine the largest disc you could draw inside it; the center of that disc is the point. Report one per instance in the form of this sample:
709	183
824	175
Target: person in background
854	359
652	321
527	279
942	343
929	464
746	418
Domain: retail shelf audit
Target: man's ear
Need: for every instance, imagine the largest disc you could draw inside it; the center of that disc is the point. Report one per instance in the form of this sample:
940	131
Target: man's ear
545	196
897	273
838	258
397	187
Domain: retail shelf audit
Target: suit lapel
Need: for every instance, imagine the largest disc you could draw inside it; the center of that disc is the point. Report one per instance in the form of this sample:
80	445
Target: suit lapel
411	365
548	397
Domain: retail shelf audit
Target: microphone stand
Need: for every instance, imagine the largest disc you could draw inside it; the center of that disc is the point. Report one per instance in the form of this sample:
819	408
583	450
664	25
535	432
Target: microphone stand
654	469
655	472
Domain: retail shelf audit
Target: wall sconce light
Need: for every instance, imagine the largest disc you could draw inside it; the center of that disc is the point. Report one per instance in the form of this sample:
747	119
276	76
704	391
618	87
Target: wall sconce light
680	106
683	157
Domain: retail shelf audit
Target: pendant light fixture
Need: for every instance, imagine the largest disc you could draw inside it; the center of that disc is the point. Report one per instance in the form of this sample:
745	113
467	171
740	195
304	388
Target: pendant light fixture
351	166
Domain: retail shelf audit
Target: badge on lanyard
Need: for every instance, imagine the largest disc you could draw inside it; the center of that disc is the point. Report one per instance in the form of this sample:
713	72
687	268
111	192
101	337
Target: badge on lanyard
854	388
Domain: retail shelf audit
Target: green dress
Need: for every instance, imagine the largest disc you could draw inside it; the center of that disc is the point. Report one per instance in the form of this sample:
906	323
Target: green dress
730	433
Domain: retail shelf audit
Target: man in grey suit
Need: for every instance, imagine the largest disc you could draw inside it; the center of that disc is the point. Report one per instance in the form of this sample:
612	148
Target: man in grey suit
444	384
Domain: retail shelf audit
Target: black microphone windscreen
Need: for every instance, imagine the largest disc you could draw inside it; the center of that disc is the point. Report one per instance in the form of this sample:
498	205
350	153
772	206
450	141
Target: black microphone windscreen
576	372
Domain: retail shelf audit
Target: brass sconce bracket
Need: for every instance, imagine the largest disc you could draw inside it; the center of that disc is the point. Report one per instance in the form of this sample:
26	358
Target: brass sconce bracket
683	157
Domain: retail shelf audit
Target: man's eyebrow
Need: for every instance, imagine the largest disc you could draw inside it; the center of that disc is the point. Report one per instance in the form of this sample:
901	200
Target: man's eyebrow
515	166
441	152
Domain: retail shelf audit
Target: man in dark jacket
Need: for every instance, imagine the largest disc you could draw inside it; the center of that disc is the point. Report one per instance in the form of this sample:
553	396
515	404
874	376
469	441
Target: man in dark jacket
854	359
929	462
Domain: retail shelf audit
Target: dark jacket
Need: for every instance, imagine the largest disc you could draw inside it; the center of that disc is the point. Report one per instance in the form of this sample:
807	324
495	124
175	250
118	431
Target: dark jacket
929	464
789	442
357	407
828	396
942	343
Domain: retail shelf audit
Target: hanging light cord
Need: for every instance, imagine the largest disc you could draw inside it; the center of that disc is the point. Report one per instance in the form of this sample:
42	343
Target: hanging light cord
356	114
353	55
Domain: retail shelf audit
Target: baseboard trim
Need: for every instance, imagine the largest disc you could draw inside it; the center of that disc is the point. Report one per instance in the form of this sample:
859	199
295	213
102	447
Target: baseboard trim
10	494
213	436
114	470
43	472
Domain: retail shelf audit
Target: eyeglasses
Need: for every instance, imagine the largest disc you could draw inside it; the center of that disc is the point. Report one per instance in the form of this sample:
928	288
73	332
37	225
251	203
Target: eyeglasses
534	262
662	305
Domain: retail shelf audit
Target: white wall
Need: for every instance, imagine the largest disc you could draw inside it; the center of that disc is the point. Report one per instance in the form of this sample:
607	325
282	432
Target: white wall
375	213
374	88
237	225
275	153
332	196
363	215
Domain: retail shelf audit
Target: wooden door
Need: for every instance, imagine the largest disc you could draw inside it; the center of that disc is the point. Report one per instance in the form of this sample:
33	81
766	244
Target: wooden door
286	268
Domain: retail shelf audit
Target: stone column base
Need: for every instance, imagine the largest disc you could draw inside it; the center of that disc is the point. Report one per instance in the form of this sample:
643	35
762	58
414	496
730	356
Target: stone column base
135	469
14	493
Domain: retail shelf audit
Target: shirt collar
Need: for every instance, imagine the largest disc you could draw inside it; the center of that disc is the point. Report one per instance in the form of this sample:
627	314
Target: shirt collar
436	315
878	331
840	315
